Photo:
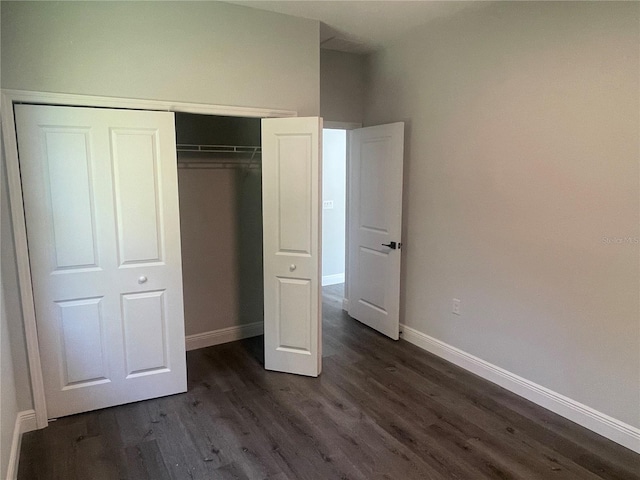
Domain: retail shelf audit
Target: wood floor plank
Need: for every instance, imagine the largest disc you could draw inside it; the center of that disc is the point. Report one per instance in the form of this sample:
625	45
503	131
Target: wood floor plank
498	433
401	424
380	410
145	461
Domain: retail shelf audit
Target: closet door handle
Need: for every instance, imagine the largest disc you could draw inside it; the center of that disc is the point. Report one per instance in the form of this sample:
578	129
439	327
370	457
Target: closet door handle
292	267
142	279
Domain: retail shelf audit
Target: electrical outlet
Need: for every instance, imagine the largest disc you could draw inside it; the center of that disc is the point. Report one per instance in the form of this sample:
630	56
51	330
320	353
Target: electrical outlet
455	309
327	204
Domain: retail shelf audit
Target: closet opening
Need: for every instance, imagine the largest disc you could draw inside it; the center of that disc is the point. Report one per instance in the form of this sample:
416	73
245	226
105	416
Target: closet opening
220	193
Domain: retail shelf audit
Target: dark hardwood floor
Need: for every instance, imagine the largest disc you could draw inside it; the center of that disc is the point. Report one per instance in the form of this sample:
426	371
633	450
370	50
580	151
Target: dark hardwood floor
380	410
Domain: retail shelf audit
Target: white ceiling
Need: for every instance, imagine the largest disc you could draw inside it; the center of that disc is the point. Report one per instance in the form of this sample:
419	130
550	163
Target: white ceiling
362	26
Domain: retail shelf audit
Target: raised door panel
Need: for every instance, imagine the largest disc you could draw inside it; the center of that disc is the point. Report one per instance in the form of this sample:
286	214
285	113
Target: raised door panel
135	166
373	267
145	333
67	159
294	194
294	315
373	206
82	342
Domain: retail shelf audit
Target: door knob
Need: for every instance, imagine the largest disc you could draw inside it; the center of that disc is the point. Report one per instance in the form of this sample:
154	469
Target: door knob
142	279
391	245
292	267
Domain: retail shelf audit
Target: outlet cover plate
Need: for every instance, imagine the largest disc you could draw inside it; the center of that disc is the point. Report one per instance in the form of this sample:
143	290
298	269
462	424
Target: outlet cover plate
455	309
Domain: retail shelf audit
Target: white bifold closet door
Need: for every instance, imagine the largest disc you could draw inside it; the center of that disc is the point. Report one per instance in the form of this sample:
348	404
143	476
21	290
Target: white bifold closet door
101	207
291	193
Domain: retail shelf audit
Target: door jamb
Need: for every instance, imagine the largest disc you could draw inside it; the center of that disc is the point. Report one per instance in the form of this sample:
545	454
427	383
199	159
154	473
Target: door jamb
341	125
7	99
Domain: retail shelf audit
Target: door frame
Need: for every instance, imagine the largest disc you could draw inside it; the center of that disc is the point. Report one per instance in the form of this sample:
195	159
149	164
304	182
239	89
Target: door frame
10	97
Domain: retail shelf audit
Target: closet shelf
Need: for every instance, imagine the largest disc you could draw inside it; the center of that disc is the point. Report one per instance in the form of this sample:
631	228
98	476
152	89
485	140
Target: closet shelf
220	156
247	150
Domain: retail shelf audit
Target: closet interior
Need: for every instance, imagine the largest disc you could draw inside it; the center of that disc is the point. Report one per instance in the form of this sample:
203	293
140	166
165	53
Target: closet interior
219	183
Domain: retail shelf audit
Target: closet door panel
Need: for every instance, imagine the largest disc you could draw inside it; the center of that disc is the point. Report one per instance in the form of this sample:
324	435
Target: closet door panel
101	208
291	189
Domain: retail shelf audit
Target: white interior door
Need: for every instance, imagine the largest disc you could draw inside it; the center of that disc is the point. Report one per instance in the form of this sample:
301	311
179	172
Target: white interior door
291	203
101	208
375	223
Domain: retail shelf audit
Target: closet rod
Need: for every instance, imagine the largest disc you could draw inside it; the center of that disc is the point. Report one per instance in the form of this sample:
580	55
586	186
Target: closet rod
217	166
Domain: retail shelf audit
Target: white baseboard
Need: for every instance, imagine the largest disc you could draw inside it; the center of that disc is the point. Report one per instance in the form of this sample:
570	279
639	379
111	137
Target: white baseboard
332	279
620	432
345	304
224	335
25	422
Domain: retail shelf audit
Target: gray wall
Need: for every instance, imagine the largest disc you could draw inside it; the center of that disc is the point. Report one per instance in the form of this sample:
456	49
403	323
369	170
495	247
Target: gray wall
521	162
209	249
342	86
220	226
204	52
334	187
221	231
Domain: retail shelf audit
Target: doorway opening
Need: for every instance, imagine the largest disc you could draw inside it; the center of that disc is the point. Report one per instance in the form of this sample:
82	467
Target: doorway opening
334	208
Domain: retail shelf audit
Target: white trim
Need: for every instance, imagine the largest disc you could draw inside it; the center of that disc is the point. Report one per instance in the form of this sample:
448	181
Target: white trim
7	99
22	255
615	430
50	98
224	335
25	422
341	125
345	304
332	279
